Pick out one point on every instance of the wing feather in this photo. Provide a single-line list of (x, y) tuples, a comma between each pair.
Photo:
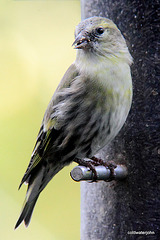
[(49, 130)]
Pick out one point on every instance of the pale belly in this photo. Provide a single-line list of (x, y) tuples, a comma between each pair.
[(111, 124)]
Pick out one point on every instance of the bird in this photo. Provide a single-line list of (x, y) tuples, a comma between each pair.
[(87, 110)]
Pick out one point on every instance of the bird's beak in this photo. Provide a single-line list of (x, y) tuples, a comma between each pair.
[(81, 41)]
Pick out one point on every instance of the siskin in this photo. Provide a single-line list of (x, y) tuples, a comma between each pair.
[(87, 110)]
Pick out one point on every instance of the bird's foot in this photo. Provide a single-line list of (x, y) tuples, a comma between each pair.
[(90, 164), (94, 161), (111, 165)]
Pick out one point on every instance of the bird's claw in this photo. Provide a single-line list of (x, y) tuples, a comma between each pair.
[(94, 161), (90, 164), (111, 165)]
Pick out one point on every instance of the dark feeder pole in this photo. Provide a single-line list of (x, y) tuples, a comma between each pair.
[(129, 208)]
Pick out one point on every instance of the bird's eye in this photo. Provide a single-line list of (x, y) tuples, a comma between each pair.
[(100, 30)]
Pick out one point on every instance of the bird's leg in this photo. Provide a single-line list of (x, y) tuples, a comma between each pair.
[(90, 164), (111, 165)]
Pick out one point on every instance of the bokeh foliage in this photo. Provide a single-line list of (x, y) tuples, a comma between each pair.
[(35, 51)]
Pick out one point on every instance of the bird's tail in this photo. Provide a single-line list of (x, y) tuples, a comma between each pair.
[(33, 191), (26, 212)]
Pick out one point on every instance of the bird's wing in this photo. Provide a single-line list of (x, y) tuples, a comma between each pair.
[(49, 130)]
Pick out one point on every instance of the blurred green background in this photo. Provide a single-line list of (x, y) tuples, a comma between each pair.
[(35, 51)]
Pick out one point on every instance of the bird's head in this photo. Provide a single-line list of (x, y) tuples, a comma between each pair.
[(100, 36)]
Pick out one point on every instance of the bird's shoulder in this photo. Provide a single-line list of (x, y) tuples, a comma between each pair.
[(59, 95)]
